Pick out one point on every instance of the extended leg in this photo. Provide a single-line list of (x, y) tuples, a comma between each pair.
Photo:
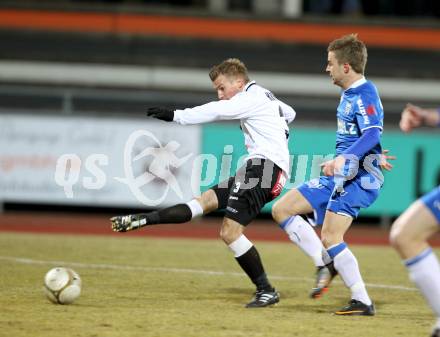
[(286, 213), (179, 213)]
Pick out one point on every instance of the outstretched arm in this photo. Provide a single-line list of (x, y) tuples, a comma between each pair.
[(164, 114), (414, 116), (239, 106), (235, 108)]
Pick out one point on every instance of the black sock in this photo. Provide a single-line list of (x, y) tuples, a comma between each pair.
[(175, 214), (250, 262), (331, 268)]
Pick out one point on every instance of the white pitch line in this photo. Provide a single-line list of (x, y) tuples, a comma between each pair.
[(24, 260)]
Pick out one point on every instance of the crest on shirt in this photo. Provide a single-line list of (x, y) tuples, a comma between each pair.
[(371, 110), (347, 109), (314, 183)]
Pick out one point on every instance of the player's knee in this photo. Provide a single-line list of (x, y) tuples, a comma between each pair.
[(397, 236), (281, 211), (277, 211), (394, 238), (330, 238), (227, 235), (230, 232), (208, 201), (325, 241)]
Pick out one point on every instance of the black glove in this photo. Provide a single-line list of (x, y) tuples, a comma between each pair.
[(164, 114)]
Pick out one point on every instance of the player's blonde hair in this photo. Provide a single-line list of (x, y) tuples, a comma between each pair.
[(231, 67), (349, 49)]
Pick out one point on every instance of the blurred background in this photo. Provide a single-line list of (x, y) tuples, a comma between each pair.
[(76, 78)]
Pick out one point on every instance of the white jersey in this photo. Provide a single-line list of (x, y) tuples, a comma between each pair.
[(263, 119)]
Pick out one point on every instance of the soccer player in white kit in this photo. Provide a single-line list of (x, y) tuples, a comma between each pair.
[(263, 120)]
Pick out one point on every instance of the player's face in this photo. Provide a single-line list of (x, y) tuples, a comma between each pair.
[(227, 87), (335, 70)]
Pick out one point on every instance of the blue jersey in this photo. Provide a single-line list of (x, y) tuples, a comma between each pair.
[(360, 108)]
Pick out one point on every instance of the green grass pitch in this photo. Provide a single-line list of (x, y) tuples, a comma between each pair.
[(144, 286)]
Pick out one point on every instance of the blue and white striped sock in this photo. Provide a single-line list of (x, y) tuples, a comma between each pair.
[(302, 234), (347, 266), (424, 271)]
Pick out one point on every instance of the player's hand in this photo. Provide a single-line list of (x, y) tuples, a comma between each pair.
[(164, 114), (334, 166), (384, 163), (125, 223), (412, 117)]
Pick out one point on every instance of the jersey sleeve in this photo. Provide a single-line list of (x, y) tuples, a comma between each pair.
[(239, 106), (369, 112), (288, 112), (367, 141)]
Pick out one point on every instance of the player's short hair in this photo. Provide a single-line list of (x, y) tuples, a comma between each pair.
[(349, 49), (231, 67)]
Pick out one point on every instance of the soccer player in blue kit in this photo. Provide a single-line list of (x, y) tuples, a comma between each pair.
[(412, 229), (351, 180)]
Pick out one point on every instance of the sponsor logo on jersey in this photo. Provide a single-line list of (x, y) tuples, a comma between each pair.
[(346, 128), (276, 190), (363, 112), (270, 96), (314, 183), (232, 210)]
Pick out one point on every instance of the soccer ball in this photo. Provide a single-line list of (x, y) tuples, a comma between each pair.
[(62, 285)]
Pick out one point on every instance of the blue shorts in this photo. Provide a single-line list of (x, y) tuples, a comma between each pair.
[(322, 195), (432, 201)]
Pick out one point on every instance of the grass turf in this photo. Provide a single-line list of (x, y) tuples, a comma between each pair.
[(140, 286)]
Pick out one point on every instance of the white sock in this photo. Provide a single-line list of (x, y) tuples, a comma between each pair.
[(195, 207), (240, 246), (424, 271), (347, 266), (302, 234), (326, 257)]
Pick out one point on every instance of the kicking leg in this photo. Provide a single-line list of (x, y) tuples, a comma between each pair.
[(179, 213), (286, 213)]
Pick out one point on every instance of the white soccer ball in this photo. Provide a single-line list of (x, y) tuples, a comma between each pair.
[(62, 285)]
